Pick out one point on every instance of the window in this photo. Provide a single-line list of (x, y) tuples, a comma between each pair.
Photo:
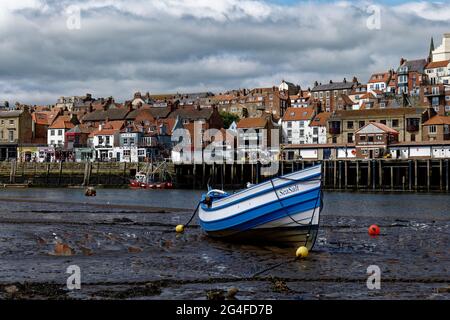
[(107, 140), (289, 124), (362, 124), (432, 129), (11, 136), (100, 139), (125, 141), (302, 124), (349, 137), (60, 133), (395, 123), (52, 132), (132, 141), (334, 139), (289, 133), (126, 153), (11, 122), (315, 131), (349, 124), (315, 140), (383, 122), (302, 133), (370, 138), (362, 138), (52, 142), (379, 138)]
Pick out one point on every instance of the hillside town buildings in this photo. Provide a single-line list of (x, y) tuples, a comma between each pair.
[(401, 112)]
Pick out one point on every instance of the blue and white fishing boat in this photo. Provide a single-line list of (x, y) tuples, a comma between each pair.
[(283, 211)]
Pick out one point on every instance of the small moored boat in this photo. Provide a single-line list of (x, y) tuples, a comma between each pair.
[(282, 211), (144, 181)]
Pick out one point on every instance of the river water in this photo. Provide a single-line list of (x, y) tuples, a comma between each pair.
[(124, 243)]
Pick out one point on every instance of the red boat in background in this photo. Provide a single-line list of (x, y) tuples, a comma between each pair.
[(142, 181)]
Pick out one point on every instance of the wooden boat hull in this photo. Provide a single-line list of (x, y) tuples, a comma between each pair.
[(295, 236), (285, 211)]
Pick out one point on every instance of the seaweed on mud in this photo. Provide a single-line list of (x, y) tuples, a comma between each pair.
[(149, 289), (27, 290)]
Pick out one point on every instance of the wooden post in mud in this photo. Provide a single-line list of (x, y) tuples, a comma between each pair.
[(441, 177), (325, 173), (369, 173), (357, 174), (340, 174), (194, 172), (380, 173), (392, 177), (374, 176), (416, 170), (60, 172), (334, 173), (409, 175), (428, 175), (203, 174), (48, 173), (446, 180), (12, 172), (346, 174), (282, 167)]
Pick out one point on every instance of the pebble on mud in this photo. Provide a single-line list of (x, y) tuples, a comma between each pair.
[(280, 286), (231, 294), (62, 249), (11, 290), (86, 251), (134, 250), (215, 295), (443, 290)]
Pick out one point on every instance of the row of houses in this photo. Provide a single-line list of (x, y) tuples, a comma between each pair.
[(403, 111)]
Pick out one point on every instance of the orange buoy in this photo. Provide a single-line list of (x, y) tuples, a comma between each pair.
[(374, 230)]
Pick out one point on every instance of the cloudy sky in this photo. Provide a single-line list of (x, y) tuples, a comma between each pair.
[(118, 47)]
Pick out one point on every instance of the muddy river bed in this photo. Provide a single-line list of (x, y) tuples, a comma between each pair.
[(124, 244)]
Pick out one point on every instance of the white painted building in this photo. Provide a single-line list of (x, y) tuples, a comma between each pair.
[(296, 126), (442, 52), (57, 130), (104, 141), (438, 72)]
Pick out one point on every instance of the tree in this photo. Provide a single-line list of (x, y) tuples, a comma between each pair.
[(228, 118)]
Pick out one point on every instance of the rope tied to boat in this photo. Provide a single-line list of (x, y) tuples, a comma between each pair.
[(181, 227)]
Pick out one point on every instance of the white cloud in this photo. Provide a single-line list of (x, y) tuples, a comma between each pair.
[(175, 45)]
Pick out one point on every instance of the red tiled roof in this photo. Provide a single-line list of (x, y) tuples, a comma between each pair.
[(247, 123), (380, 77), (298, 114), (381, 126), (321, 119), (62, 122), (438, 64), (437, 120)]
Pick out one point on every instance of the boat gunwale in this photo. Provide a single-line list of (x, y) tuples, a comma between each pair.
[(205, 208), (268, 182), (203, 222)]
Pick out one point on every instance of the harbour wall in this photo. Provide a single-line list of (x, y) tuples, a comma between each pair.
[(357, 175)]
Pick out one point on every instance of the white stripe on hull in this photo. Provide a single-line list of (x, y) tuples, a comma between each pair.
[(252, 203), (303, 218), (268, 186)]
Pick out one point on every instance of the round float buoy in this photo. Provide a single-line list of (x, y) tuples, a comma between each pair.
[(90, 192), (179, 228), (374, 230), (302, 252)]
